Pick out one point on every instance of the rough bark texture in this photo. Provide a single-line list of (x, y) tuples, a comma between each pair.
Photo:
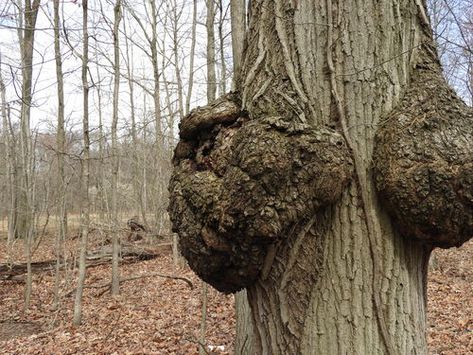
[(424, 162), (240, 186), (343, 280)]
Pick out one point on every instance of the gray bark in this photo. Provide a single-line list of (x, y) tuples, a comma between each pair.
[(221, 39), (322, 184), (12, 172), (85, 165), (356, 286), (192, 57), (26, 35), (211, 75), (25, 219), (115, 289), (238, 23), (61, 151)]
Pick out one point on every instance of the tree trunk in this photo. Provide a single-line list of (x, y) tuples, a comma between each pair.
[(11, 164), (85, 165), (159, 138), (191, 57), (25, 218), (203, 319), (134, 136), (221, 39), (238, 21), (346, 282), (211, 75), (60, 153), (115, 160)]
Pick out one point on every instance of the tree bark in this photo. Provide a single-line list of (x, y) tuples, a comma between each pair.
[(85, 165), (26, 36), (238, 23), (211, 75), (25, 219), (61, 151), (192, 57), (222, 12), (346, 282), (115, 160), (12, 172)]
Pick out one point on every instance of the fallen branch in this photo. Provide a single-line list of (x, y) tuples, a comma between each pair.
[(108, 285)]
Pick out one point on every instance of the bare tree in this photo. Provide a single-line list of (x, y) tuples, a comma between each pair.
[(12, 173), (115, 164), (192, 57), (85, 164), (25, 220), (238, 23), (60, 151), (222, 18), (211, 74)]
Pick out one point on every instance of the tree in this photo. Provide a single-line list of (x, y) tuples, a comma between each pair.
[(85, 168), (11, 161), (116, 87), (192, 56), (238, 21), (61, 150), (25, 220), (322, 185), (211, 75)]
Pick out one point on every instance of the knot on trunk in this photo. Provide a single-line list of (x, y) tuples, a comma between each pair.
[(239, 185), (423, 163)]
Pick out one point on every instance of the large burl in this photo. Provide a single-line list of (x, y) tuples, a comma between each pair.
[(240, 185), (423, 162)]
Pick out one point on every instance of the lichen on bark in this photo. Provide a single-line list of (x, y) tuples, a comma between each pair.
[(423, 162), (241, 184)]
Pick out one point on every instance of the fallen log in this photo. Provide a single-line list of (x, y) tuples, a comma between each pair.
[(94, 258)]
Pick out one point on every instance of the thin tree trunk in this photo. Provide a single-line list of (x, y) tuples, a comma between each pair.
[(25, 221), (175, 49), (211, 75), (238, 21), (221, 39), (104, 206), (144, 165), (203, 318), (11, 165), (60, 153), (192, 57), (115, 234), (159, 137), (134, 163), (85, 203)]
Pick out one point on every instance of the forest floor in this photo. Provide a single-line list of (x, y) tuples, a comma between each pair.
[(163, 316)]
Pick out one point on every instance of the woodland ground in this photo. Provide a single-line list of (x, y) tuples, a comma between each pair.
[(162, 316)]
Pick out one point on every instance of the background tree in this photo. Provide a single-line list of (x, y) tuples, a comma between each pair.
[(61, 150), (115, 165), (85, 166)]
